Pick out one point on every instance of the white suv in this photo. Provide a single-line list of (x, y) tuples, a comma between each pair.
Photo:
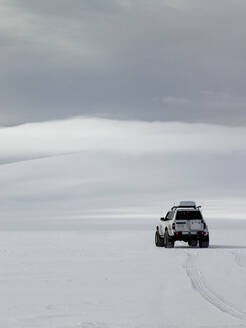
[(184, 222)]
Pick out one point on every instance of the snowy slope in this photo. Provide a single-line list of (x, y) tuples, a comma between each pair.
[(108, 273), (92, 167), (89, 184)]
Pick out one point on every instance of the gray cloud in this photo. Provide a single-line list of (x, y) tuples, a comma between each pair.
[(123, 59)]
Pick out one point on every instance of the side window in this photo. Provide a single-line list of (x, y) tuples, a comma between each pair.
[(166, 217), (170, 216)]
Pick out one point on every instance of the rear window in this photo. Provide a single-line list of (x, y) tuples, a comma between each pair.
[(188, 215)]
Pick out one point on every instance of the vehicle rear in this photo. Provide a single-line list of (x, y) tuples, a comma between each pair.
[(189, 226)]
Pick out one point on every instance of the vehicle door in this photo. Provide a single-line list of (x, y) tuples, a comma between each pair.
[(163, 223), (196, 221), (169, 222), (182, 222)]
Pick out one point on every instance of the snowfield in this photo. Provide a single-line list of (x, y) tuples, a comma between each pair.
[(109, 274)]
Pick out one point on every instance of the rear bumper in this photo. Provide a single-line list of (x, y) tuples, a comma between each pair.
[(180, 235)]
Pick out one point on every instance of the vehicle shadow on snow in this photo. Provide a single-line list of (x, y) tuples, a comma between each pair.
[(216, 247), (228, 246)]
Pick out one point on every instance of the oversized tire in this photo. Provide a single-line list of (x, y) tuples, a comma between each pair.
[(168, 241), (204, 243), (192, 243), (159, 242)]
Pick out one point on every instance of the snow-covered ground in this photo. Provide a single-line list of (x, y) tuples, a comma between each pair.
[(108, 273)]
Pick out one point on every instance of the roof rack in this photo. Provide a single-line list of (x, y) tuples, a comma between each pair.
[(186, 204), (195, 207)]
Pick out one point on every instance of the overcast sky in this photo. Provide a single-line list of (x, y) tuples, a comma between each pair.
[(123, 59)]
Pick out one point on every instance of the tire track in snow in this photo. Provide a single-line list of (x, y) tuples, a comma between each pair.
[(200, 285), (240, 259)]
